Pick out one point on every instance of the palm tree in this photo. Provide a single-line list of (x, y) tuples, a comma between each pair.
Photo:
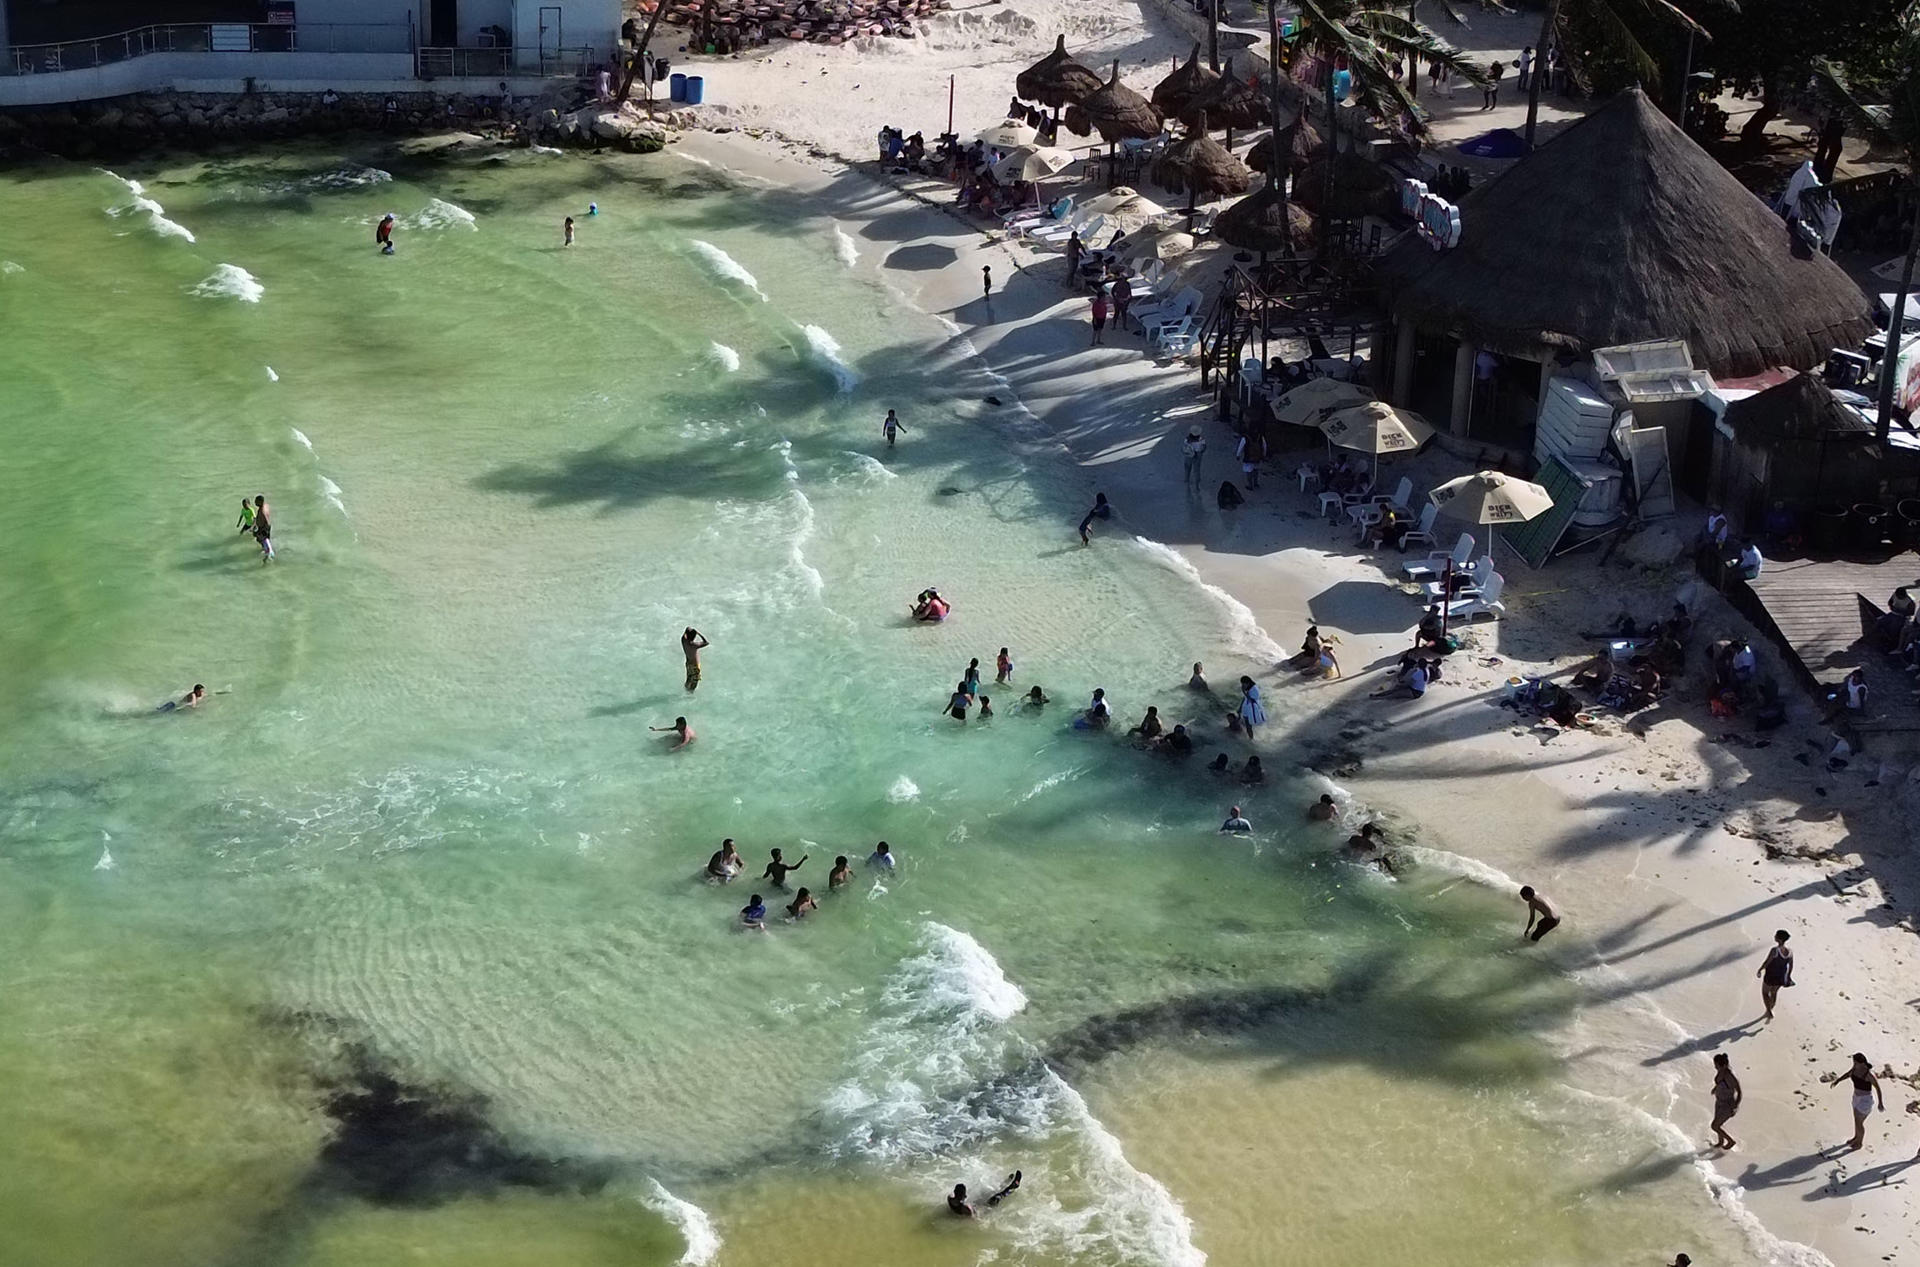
[(1895, 125), (1621, 24), (1368, 40)]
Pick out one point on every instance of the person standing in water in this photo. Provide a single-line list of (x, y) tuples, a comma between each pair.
[(801, 904), (691, 644), (1537, 909), (777, 869), (754, 913), (1323, 810), (841, 874), (726, 862), (1002, 668), (891, 427), (679, 728), (246, 517), (1775, 971), (383, 236), (568, 228), (1726, 1101), (1866, 1090), (882, 857), (263, 528), (1236, 824), (1251, 712)]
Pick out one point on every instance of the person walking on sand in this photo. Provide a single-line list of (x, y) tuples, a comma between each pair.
[(1866, 1091), (1122, 294), (568, 232), (691, 643), (1726, 1101), (891, 426), (1192, 449), (1102, 509), (1075, 250), (986, 282), (1490, 91), (1537, 909), (1775, 971), (1099, 314), (1251, 449)]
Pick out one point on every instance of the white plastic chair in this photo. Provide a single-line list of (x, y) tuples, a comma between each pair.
[(1434, 564), (1178, 340), (1308, 472), (1252, 374), (1330, 504), (1181, 304), (1400, 497), (1057, 232), (1485, 603), (1185, 309), (1423, 531), (1477, 572)]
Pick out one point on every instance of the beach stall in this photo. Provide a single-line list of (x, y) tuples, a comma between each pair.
[(1619, 231)]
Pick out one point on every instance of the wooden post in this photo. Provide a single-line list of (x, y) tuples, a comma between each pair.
[(1462, 389)]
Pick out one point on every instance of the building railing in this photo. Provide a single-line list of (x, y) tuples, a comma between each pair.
[(209, 37), (497, 63)]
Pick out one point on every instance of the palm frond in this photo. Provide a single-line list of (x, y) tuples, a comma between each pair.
[(1621, 38)]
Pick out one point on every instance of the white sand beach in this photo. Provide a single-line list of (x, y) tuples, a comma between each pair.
[(1672, 851)]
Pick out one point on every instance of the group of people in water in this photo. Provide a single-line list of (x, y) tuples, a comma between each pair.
[(726, 865)]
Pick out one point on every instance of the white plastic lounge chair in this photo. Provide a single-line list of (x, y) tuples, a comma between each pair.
[(1423, 532), (1485, 603), (1058, 234), (1434, 564), (1178, 340), (1362, 494), (1399, 497), (1476, 574), (1185, 304)]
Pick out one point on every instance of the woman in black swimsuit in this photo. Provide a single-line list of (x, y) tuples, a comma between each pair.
[(1776, 970), (1726, 1100)]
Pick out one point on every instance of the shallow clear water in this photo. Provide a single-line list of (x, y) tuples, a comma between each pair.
[(422, 832)]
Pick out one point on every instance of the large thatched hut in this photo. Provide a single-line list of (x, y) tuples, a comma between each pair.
[(1620, 230)]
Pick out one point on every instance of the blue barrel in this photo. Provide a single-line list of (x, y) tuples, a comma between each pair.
[(696, 89), (677, 87)]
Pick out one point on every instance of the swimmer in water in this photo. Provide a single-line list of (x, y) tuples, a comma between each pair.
[(881, 857), (891, 426), (569, 232), (1364, 848), (1323, 810), (957, 706), (801, 904), (1178, 742), (1537, 909), (679, 728), (929, 606), (986, 709), (841, 874), (754, 913), (1198, 682), (972, 677), (959, 1207), (1236, 824), (1002, 668), (1253, 772), (726, 862), (1097, 713), (593, 208), (192, 699), (1220, 764), (383, 236), (1149, 728), (777, 869), (1035, 698), (692, 642)]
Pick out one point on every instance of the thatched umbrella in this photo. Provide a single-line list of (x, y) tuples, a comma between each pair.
[(1231, 102), (1362, 188), (1119, 114), (1301, 142), (1057, 80), (1198, 164), (1174, 95), (1264, 221)]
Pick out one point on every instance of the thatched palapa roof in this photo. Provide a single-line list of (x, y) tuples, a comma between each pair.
[(1360, 187), (1057, 80), (1172, 95), (1255, 223), (1232, 102), (1301, 142), (1199, 164), (1117, 112), (1619, 230), (1800, 409)]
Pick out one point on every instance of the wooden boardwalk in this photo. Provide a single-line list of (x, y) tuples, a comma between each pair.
[(1819, 613)]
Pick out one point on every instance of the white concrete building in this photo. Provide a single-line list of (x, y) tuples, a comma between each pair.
[(295, 46)]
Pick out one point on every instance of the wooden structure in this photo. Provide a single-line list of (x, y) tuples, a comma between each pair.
[(1821, 614)]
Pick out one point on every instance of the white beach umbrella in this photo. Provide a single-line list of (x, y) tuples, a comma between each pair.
[(1008, 134), (1376, 427), (1490, 497), (1031, 163), (1305, 403)]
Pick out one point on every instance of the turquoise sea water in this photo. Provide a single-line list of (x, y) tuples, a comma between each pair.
[(396, 951)]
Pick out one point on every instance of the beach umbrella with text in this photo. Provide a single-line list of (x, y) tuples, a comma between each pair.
[(1492, 498), (1032, 162), (1304, 405), (1009, 134), (1377, 428), (1173, 95)]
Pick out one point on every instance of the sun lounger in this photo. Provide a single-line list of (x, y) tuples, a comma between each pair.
[(1177, 339), (1188, 300), (1423, 532), (1058, 233), (1434, 564), (1485, 603), (1475, 576), (1399, 498)]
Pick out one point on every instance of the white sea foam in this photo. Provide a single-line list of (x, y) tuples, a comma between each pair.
[(545, 149), (870, 467), (1244, 633), (301, 436), (694, 1224), (724, 268), (8, 268), (230, 281), (1457, 864), (796, 546), (823, 350), (106, 862), (439, 214), (331, 491), (274, 378), (1049, 783), (843, 246), (156, 214), (723, 356), (903, 790), (352, 177)]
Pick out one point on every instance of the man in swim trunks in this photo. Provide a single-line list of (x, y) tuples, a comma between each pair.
[(691, 644), (1102, 510), (754, 913), (263, 528), (383, 236), (192, 699), (1149, 728), (957, 1202), (725, 863), (1178, 741), (777, 869), (1236, 824), (841, 874), (1323, 810), (881, 857), (679, 728), (1537, 909)]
